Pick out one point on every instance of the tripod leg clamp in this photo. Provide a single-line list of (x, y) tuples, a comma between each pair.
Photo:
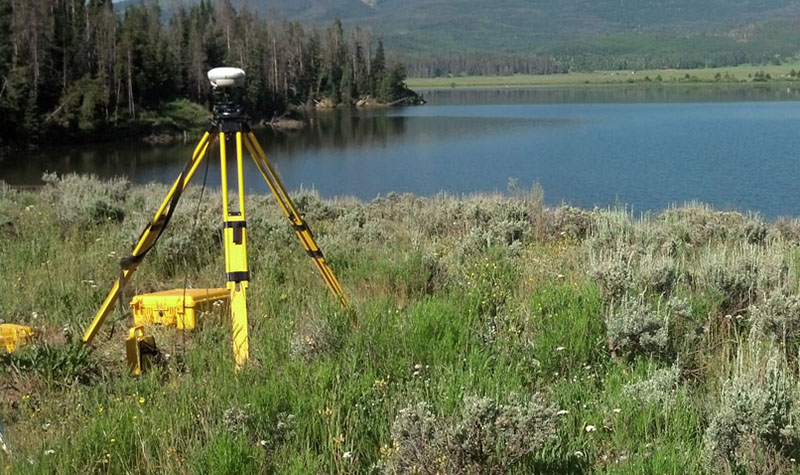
[(139, 348)]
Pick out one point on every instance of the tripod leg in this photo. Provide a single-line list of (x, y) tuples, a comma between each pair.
[(299, 225), (149, 236), (235, 239)]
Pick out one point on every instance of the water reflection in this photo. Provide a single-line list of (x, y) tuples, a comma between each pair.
[(723, 92), (325, 131), (731, 146), (336, 129), (143, 163)]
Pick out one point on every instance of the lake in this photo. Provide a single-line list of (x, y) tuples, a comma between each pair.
[(735, 147)]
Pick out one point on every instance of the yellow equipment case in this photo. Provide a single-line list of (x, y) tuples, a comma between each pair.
[(175, 307), (12, 336)]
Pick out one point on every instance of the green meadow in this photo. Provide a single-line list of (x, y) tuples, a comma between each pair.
[(735, 74), (487, 334)]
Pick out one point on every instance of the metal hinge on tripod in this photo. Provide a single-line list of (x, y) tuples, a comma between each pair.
[(238, 229)]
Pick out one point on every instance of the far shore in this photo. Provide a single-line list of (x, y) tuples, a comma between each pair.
[(746, 74)]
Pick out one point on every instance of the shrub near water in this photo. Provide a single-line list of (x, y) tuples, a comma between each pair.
[(778, 316), (85, 200), (755, 425), (486, 324), (639, 327)]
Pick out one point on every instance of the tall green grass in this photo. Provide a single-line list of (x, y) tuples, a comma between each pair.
[(495, 335)]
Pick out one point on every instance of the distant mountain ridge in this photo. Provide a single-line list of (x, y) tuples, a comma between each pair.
[(518, 25)]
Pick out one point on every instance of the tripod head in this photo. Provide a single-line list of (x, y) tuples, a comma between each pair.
[(227, 89)]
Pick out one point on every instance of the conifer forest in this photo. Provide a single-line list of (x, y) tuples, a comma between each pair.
[(82, 70)]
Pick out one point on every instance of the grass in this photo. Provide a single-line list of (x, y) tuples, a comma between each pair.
[(456, 314), (733, 74)]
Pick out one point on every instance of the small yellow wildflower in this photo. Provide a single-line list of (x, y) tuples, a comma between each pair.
[(386, 451), (141, 400), (100, 410)]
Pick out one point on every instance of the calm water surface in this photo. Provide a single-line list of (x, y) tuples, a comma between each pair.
[(735, 148)]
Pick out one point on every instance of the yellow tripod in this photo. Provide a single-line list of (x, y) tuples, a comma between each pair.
[(230, 127)]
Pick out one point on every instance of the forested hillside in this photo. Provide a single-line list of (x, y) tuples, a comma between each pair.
[(72, 69), (422, 25), (565, 18), (440, 37)]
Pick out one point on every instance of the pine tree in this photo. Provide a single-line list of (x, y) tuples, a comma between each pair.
[(377, 70), (336, 57), (6, 109), (394, 86), (5, 41), (360, 74), (348, 86)]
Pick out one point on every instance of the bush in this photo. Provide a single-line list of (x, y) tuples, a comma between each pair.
[(492, 437), (487, 437), (636, 327), (754, 428), (311, 207), (7, 226), (567, 222), (658, 388), (5, 190), (740, 274), (493, 222), (779, 317), (418, 442), (611, 229), (612, 270), (786, 229), (186, 114), (193, 235), (699, 224), (237, 419), (657, 274), (83, 200)]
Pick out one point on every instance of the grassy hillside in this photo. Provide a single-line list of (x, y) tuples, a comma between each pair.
[(495, 335), (739, 75)]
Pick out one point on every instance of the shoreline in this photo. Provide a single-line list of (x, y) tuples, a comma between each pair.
[(643, 214), (737, 75), (600, 85)]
